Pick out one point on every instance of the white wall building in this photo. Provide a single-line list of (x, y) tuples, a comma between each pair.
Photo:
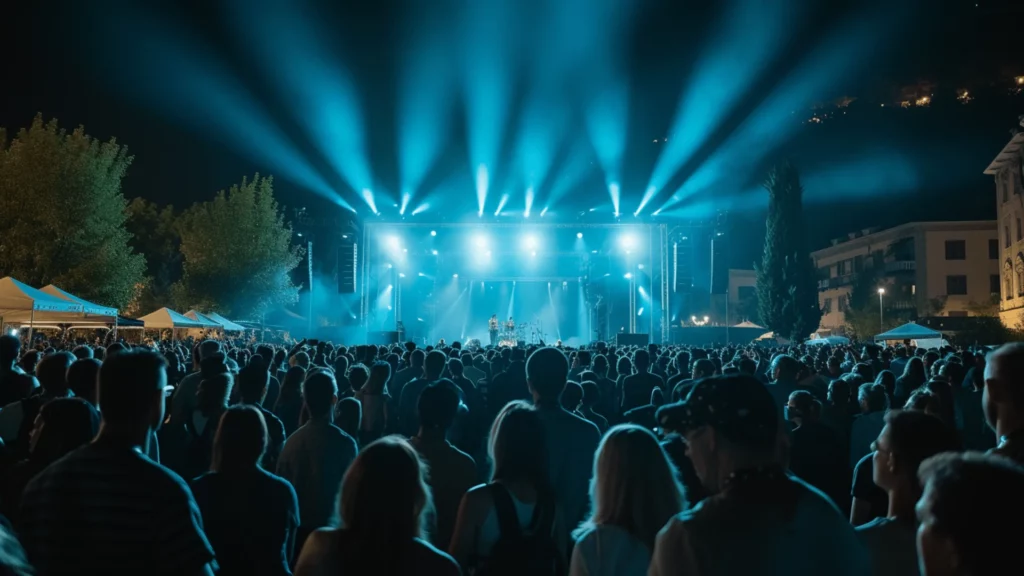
[(1008, 170), (935, 268)]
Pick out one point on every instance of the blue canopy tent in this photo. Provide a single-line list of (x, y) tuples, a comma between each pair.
[(909, 331)]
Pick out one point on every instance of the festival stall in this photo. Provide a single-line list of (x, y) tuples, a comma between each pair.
[(227, 325), (909, 331), (23, 305), (165, 318), (94, 315)]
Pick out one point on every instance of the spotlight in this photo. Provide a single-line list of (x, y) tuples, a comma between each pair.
[(530, 241), (434, 252), (627, 241), (393, 242), (433, 232), (390, 286), (628, 275), (481, 241), (14, 331), (401, 274), (456, 275), (422, 274), (579, 234), (389, 266)]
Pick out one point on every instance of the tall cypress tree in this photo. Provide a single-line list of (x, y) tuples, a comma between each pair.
[(787, 291)]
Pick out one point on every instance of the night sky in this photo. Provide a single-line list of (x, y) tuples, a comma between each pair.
[(67, 59)]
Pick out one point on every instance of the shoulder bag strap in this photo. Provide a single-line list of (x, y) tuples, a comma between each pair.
[(505, 508)]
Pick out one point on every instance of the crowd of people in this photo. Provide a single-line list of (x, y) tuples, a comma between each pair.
[(214, 457)]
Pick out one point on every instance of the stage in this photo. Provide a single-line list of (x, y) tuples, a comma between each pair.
[(558, 281)]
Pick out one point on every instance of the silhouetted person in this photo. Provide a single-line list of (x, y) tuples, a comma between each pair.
[(453, 472), (251, 516), (15, 384), (252, 384), (129, 514), (316, 456)]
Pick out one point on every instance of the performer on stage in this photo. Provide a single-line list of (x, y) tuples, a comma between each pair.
[(510, 325), (492, 329)]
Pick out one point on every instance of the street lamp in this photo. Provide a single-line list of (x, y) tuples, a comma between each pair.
[(881, 292)]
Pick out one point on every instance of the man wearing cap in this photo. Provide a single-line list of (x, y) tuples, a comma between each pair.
[(759, 519)]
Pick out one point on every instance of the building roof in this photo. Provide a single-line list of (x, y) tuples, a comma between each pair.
[(1009, 153), (899, 232)]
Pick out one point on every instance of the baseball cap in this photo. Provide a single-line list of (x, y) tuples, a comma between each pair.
[(738, 406)]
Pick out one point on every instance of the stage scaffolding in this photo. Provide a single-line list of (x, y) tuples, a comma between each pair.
[(657, 269)]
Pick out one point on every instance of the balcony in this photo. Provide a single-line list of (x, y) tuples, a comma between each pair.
[(835, 282), (900, 266)]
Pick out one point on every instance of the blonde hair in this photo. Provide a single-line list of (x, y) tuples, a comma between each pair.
[(634, 486), (384, 494)]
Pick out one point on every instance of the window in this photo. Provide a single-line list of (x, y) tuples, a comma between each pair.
[(827, 308), (993, 249), (913, 289), (1019, 234), (993, 283), (956, 285), (1006, 235), (746, 292), (956, 250), (957, 313), (843, 303)]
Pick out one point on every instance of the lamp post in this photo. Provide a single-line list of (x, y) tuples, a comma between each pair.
[(881, 311)]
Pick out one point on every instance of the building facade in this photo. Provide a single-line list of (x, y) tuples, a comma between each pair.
[(1008, 171), (738, 304), (929, 268)]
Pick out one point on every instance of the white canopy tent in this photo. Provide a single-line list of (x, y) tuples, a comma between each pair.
[(88, 308), (167, 318), (206, 321), (228, 325), (24, 305), (747, 324)]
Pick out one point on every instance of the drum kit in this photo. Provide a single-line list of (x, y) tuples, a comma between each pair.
[(529, 332)]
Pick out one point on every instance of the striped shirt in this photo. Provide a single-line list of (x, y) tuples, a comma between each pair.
[(109, 509)]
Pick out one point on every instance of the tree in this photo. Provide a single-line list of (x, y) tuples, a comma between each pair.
[(62, 214), (787, 292), (237, 253), (155, 235), (862, 316)]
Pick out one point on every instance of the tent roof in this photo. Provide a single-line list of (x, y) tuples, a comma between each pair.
[(747, 324), (206, 321), (89, 307), (909, 331), (23, 304), (227, 324), (167, 318)]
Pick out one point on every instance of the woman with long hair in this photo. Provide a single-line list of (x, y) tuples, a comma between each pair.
[(384, 506), (518, 451), (289, 402), (634, 491), (250, 515), (913, 377), (374, 398)]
